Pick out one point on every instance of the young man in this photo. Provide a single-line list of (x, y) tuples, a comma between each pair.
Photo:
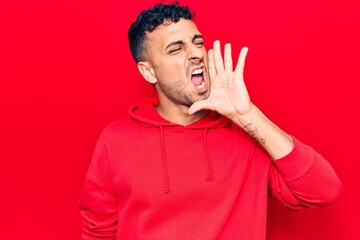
[(198, 161)]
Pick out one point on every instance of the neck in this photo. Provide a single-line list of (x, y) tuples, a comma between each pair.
[(179, 114)]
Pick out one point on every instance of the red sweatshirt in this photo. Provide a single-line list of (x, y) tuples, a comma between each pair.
[(155, 180)]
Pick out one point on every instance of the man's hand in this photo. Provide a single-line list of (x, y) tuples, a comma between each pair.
[(228, 95), (230, 98)]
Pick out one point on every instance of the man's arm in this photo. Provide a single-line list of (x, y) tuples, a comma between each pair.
[(98, 205), (304, 178), (299, 176), (230, 98), (274, 140), (98, 209)]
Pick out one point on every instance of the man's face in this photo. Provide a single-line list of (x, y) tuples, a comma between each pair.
[(178, 57)]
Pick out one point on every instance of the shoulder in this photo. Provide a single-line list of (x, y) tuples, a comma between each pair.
[(116, 129)]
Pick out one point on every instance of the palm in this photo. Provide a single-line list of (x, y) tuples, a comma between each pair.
[(228, 95)]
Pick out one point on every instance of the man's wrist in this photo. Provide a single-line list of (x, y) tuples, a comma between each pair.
[(275, 141), (249, 122)]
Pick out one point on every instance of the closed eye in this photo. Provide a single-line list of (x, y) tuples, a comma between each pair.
[(173, 51), (199, 44)]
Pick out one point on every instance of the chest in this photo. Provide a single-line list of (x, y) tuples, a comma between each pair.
[(143, 164)]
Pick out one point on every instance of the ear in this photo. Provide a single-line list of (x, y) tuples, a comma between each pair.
[(147, 71)]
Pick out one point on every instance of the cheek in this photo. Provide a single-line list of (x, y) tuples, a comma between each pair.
[(172, 69)]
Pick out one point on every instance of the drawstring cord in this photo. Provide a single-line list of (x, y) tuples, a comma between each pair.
[(166, 173), (210, 176)]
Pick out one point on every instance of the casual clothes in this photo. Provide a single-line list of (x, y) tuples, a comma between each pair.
[(153, 179)]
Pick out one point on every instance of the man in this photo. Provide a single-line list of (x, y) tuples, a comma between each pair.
[(198, 161)]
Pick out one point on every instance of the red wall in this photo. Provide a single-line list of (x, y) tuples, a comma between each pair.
[(66, 72)]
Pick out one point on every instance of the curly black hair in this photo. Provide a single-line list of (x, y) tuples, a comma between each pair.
[(149, 19)]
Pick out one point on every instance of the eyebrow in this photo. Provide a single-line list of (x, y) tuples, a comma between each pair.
[(196, 36)]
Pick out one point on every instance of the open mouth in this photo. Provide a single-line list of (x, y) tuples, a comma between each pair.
[(197, 78)]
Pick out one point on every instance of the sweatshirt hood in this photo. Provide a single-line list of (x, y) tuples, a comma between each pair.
[(145, 114)]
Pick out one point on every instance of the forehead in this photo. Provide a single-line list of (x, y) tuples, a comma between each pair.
[(169, 31)]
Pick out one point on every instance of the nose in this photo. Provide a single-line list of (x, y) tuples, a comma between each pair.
[(195, 54)]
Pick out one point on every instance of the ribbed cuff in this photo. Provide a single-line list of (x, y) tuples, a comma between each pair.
[(297, 163)]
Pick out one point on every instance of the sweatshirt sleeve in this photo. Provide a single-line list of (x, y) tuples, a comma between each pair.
[(98, 205), (303, 178)]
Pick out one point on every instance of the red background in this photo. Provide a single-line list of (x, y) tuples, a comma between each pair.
[(66, 72)]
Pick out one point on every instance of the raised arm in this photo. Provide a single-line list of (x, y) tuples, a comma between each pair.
[(299, 176), (230, 98)]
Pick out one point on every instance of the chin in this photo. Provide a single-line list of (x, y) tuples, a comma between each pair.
[(204, 95)]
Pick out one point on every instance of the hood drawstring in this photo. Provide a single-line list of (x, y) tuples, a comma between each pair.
[(145, 114), (166, 172), (210, 176)]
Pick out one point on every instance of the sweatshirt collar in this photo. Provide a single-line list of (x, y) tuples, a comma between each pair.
[(146, 113)]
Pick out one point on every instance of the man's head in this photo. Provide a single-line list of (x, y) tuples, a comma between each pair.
[(169, 52), (149, 20)]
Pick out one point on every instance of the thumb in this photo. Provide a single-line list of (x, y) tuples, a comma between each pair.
[(197, 106)]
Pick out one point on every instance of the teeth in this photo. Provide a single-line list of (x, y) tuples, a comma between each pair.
[(201, 85), (197, 71)]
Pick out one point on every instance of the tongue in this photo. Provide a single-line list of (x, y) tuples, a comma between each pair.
[(196, 80)]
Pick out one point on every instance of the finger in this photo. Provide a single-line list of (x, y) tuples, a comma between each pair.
[(212, 70), (241, 61), (227, 58), (197, 106), (218, 60)]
